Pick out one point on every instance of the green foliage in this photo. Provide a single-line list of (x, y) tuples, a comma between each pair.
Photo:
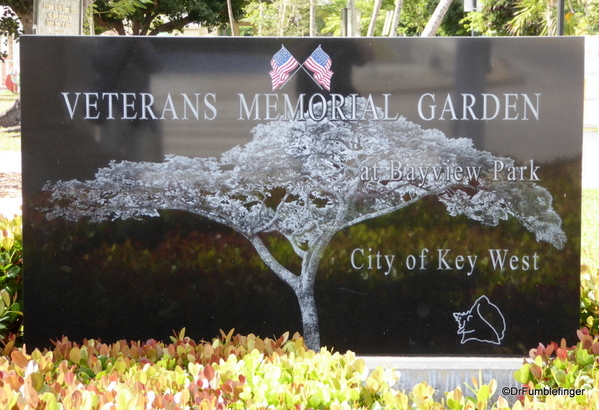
[(588, 14), (559, 366), (331, 12), (14, 11), (10, 140), (229, 372), (452, 22), (124, 8), (589, 303), (11, 266), (9, 25), (589, 279), (413, 17), (248, 372), (492, 20), (533, 18), (143, 17), (288, 18), (235, 372), (590, 229), (332, 19)]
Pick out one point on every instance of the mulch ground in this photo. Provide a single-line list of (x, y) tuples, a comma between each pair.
[(10, 185)]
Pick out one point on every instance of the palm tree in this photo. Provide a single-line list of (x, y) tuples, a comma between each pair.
[(375, 14), (540, 17), (234, 28), (436, 19), (396, 14)]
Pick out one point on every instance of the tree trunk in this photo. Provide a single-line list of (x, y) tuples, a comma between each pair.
[(115, 25), (311, 329), (373, 18), (261, 19), (305, 291), (312, 18), (282, 18), (136, 28), (171, 25), (396, 15), (302, 286), (436, 19), (26, 20), (90, 18), (231, 19)]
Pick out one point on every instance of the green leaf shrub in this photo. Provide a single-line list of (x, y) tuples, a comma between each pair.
[(230, 372), (560, 366), (11, 268), (237, 372), (589, 279), (589, 299)]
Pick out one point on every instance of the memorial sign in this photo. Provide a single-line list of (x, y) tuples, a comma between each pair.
[(388, 196), (58, 17)]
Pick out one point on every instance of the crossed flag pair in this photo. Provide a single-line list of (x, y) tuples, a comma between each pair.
[(283, 63)]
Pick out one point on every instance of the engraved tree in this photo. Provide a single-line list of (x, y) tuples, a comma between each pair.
[(307, 180)]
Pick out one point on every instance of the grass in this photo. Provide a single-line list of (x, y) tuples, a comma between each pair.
[(6, 100), (10, 140)]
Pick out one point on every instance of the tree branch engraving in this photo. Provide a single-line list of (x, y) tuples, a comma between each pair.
[(308, 180)]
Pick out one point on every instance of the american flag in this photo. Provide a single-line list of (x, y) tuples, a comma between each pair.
[(319, 62), (282, 64)]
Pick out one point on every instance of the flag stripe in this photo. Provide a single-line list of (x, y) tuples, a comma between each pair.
[(321, 74), (319, 63), (282, 63)]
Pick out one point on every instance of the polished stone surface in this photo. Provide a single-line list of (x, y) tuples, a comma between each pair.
[(416, 281)]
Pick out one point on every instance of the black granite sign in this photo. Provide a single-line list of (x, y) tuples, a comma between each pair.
[(389, 196)]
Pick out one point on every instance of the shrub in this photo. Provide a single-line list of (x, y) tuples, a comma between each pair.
[(11, 268), (230, 372), (567, 367), (589, 299), (589, 279)]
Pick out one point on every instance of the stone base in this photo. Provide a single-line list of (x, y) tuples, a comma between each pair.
[(447, 373)]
